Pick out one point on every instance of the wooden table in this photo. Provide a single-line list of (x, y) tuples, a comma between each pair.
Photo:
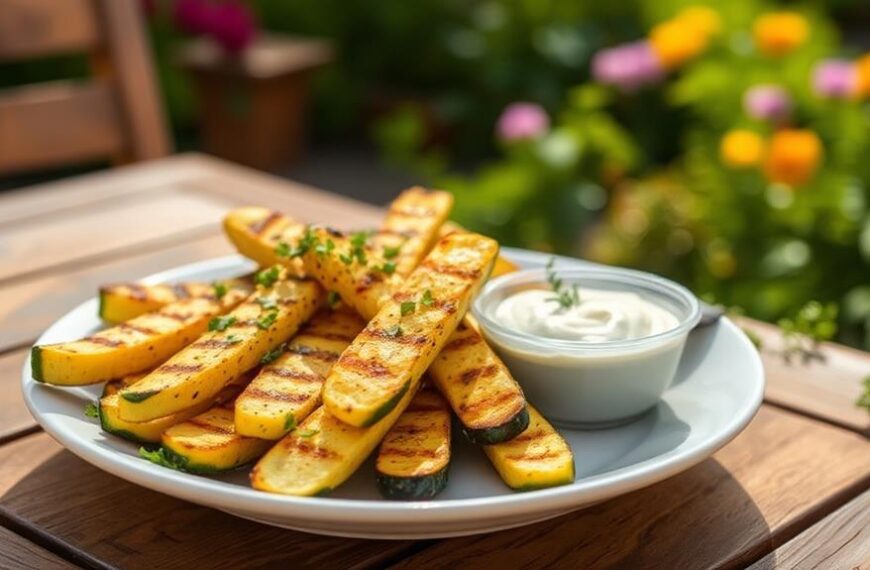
[(792, 490)]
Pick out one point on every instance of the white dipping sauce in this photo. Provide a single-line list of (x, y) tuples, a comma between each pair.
[(601, 316)]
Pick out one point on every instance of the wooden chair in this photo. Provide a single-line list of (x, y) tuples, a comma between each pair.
[(115, 115)]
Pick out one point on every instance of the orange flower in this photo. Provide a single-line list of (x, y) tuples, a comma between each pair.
[(778, 33), (676, 42), (862, 76), (793, 156), (701, 18), (741, 148)]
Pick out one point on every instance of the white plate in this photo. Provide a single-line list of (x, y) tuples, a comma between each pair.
[(717, 392)]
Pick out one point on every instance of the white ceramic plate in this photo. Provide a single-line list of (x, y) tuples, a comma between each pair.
[(717, 392)]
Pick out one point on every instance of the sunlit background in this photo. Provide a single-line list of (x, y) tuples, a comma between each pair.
[(726, 146)]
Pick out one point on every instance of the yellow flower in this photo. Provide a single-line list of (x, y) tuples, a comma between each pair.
[(741, 149), (862, 76), (702, 18), (793, 156), (778, 33)]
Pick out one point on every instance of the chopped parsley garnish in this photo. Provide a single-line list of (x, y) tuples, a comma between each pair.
[(426, 300), (273, 354), (306, 433), (267, 302), (394, 331), (347, 259), (357, 247), (92, 410), (221, 323), (282, 249), (333, 299), (290, 422), (304, 244), (220, 289), (268, 277), (267, 320), (160, 457), (407, 307), (324, 249), (566, 298), (233, 339), (389, 267), (391, 252)]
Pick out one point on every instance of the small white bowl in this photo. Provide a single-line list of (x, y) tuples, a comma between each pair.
[(582, 384)]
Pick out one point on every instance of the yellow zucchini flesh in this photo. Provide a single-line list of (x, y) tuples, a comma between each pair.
[(537, 458), (320, 454), (288, 389), (502, 264), (208, 443), (132, 346), (121, 302), (487, 400), (257, 232), (150, 431), (414, 457), (238, 342), (391, 354)]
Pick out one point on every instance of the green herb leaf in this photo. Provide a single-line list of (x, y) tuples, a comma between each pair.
[(324, 249), (273, 354), (268, 277), (346, 259), (267, 320), (389, 267), (306, 433), (233, 339), (92, 410), (426, 300), (221, 323), (566, 298), (290, 422), (160, 457), (333, 299), (267, 302), (282, 249), (358, 242), (391, 252), (220, 289), (394, 331), (407, 307)]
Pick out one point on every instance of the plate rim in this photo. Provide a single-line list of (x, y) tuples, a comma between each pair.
[(230, 496)]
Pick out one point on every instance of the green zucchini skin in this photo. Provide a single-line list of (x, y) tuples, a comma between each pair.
[(36, 364), (413, 488), (505, 432), (388, 406)]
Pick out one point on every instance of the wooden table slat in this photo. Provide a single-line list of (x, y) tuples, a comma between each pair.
[(17, 553), (840, 540), (15, 419)]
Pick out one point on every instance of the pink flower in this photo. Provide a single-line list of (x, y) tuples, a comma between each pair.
[(193, 16), (233, 26), (628, 66), (522, 121), (834, 78), (767, 103)]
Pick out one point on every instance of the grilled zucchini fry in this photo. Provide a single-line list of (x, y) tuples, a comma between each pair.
[(288, 389), (414, 456), (124, 301), (537, 458), (133, 346), (150, 431), (256, 233), (502, 265), (320, 454), (391, 354), (208, 443), (487, 400), (265, 320)]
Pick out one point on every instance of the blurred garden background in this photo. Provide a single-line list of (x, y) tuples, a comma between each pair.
[(725, 145)]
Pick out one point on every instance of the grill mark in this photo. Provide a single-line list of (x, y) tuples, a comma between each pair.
[(294, 374), (212, 343), (211, 427), (181, 291), (424, 408), (137, 328), (406, 429), (462, 342), (367, 281), (136, 291), (180, 317), (381, 334), (305, 448), (275, 396), (409, 452), (260, 226), (329, 335), (486, 403), (412, 211), (102, 341), (451, 270), (322, 355), (367, 367), (470, 376), (247, 324), (530, 435), (183, 368), (536, 457), (334, 232)]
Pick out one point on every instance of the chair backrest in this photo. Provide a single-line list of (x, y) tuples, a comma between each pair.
[(116, 114)]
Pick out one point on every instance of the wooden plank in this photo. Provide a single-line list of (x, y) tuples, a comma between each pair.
[(825, 388), (15, 419), (57, 124), (32, 28), (840, 540), (130, 527), (28, 307), (774, 480), (17, 553), (126, 61), (170, 215)]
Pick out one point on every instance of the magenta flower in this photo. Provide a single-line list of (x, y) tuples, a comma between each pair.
[(767, 103), (627, 67), (522, 121), (233, 26), (193, 16), (834, 78)]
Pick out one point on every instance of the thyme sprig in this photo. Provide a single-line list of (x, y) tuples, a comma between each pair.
[(565, 297)]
